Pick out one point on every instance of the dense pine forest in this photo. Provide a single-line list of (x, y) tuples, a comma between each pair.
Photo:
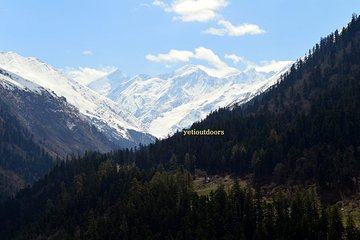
[(94, 198), (304, 130)]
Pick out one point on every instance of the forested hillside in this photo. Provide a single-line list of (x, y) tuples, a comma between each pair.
[(304, 129)]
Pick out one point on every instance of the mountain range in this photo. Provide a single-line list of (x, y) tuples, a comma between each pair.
[(62, 112), (125, 111), (297, 144), (170, 102)]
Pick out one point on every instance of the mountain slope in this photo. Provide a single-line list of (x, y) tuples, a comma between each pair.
[(305, 129), (55, 124), (118, 125), (171, 102), (22, 161)]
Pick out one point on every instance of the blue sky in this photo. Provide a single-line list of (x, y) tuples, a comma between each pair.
[(153, 36)]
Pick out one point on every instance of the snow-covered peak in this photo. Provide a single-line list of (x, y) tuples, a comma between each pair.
[(36, 71), (187, 70), (103, 112), (27, 67), (106, 84), (221, 72), (169, 102)]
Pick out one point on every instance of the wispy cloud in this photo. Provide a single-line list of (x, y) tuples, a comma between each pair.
[(161, 4), (263, 66), (172, 56), (87, 52), (200, 53), (227, 28), (205, 11), (234, 58), (193, 10), (272, 66), (86, 75), (240, 60), (209, 56), (216, 66)]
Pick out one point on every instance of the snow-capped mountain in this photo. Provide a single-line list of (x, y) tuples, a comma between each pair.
[(30, 74), (170, 102), (124, 108), (55, 125)]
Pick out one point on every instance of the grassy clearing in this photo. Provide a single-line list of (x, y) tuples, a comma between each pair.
[(204, 185), (353, 209)]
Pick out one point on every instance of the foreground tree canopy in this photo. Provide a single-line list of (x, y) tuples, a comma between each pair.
[(94, 198)]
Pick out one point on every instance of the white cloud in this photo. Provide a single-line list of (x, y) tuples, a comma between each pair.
[(227, 28), (272, 66), (239, 59), (160, 4), (86, 75), (87, 52), (172, 56), (236, 59), (215, 31), (204, 11), (209, 56), (263, 66), (193, 10), (216, 68)]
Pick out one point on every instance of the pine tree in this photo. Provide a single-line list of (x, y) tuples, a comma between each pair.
[(336, 227), (351, 231)]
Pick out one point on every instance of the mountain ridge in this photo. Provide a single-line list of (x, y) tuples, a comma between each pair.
[(158, 105), (107, 116), (167, 103)]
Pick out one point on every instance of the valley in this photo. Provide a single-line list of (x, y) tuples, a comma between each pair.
[(267, 151)]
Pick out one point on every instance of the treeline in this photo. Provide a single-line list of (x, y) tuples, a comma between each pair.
[(303, 129), (94, 198)]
